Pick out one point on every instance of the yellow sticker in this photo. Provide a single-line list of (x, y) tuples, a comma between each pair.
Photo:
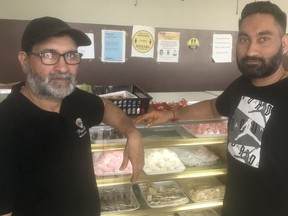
[(193, 43), (143, 41)]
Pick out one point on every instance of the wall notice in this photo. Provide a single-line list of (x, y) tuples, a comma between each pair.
[(168, 46), (143, 38), (222, 48)]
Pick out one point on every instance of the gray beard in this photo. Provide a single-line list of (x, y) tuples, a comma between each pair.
[(45, 88)]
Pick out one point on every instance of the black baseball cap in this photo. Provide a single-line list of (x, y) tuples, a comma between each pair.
[(45, 27)]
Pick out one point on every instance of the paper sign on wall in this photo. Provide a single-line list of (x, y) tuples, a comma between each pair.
[(222, 48), (168, 46), (143, 38), (88, 51), (113, 46)]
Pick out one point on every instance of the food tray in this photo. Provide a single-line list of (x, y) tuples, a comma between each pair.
[(108, 163), (203, 189), (162, 161), (118, 95), (100, 134), (164, 214), (209, 129), (162, 194), (196, 156), (131, 106), (199, 212), (117, 198)]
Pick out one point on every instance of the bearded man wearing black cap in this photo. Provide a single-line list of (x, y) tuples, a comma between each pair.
[(45, 155)]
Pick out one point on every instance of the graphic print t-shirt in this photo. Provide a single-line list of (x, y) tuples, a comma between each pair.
[(246, 130), (257, 173)]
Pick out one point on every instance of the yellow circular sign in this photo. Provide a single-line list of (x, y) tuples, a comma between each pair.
[(143, 41), (193, 43)]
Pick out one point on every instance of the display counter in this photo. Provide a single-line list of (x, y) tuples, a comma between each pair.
[(190, 97), (189, 154)]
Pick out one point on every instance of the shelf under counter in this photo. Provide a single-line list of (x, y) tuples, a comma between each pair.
[(110, 145), (189, 172), (145, 210), (171, 134)]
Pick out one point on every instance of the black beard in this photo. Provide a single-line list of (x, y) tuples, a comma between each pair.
[(264, 68)]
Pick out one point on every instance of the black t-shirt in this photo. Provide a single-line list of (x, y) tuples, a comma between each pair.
[(257, 178), (45, 157)]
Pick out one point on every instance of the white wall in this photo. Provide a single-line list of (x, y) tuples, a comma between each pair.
[(186, 14)]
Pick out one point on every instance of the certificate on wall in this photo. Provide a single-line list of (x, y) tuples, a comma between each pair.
[(113, 46)]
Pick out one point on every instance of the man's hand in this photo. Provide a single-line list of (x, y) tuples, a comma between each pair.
[(134, 152), (155, 117), (9, 214)]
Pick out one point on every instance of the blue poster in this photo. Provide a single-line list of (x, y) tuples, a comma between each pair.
[(113, 46)]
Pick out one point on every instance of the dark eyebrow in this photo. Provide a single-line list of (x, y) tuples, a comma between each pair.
[(52, 50), (263, 33), (242, 34)]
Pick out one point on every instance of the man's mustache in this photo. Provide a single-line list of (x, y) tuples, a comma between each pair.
[(252, 58)]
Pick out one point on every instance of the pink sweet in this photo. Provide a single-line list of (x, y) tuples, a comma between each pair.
[(109, 163)]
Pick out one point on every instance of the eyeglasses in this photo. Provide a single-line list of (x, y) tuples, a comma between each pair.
[(51, 57)]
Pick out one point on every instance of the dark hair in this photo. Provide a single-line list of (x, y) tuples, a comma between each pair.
[(265, 7)]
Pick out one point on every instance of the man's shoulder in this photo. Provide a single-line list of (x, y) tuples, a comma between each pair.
[(81, 95), (81, 98)]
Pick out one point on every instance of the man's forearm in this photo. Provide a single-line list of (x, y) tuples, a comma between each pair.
[(9, 214), (115, 117)]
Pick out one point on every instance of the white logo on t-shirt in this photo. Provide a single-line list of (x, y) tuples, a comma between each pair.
[(82, 129)]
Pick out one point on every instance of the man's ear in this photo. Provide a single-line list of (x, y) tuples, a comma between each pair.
[(22, 57), (285, 51), (285, 44)]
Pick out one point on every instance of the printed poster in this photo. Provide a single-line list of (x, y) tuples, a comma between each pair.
[(88, 51), (143, 39), (222, 48), (113, 46), (168, 46)]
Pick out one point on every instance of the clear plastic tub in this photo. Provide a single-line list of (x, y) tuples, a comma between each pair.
[(196, 156), (207, 129), (118, 198), (102, 134), (108, 163), (199, 212), (203, 189), (162, 161), (162, 194)]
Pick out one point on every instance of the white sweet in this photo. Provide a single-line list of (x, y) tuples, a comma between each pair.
[(162, 159)]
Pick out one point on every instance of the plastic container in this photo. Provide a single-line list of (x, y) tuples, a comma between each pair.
[(107, 163), (162, 161), (199, 212), (162, 194), (117, 198), (196, 156), (208, 129), (131, 106), (100, 134), (203, 189)]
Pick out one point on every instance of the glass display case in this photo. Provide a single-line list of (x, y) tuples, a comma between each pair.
[(185, 168)]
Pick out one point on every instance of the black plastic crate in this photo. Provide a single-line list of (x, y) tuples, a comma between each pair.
[(131, 106)]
